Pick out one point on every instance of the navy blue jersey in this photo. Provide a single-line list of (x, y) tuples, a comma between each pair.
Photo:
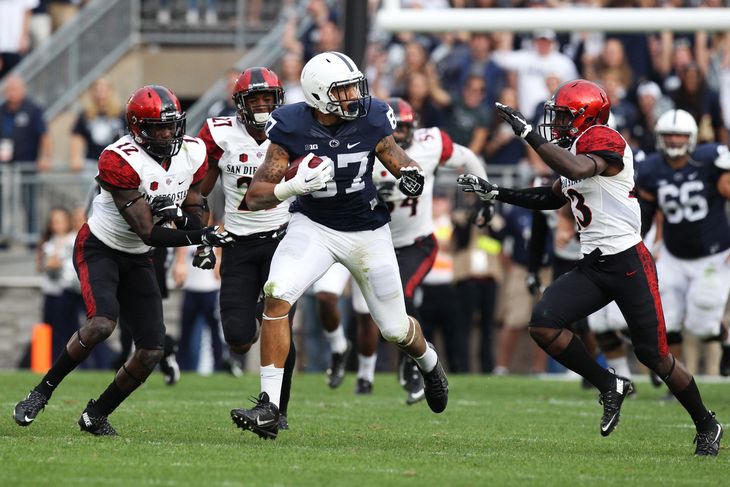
[(695, 222), (349, 202), (518, 225)]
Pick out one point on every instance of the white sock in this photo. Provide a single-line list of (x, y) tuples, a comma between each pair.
[(366, 367), (726, 341), (336, 339), (427, 361), (271, 379), (620, 365)]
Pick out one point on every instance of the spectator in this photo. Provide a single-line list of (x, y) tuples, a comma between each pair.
[(532, 66), (225, 107), (54, 263), (503, 147), (467, 117), (192, 15), (418, 94), (416, 61), (624, 113), (291, 71), (14, 32), (651, 104), (199, 304), (611, 60), (702, 102), (63, 11), (40, 24), (477, 60), (99, 124)]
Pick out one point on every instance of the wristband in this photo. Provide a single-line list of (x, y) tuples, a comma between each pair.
[(284, 191), (535, 140)]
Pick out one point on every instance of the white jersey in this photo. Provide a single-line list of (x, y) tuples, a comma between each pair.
[(412, 218), (239, 156), (605, 208), (125, 165)]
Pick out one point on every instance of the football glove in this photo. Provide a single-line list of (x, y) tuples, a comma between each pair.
[(484, 214), (470, 183), (164, 208), (307, 179), (411, 181), (204, 257), (385, 190), (211, 237), (515, 119)]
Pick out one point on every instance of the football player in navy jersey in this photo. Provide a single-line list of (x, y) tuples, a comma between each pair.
[(691, 187), (597, 177), (337, 217), (236, 146), (147, 178)]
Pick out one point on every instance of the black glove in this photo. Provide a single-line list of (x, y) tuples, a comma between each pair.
[(470, 183), (204, 257), (533, 284), (385, 190), (212, 238), (515, 119), (484, 214), (411, 181), (165, 208)]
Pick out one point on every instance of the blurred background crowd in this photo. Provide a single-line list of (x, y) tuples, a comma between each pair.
[(477, 302)]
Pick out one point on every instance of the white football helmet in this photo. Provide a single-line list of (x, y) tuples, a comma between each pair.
[(676, 122), (324, 80)]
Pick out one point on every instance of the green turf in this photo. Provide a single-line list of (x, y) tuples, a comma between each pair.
[(496, 431)]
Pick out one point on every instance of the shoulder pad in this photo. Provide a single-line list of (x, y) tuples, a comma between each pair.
[(723, 158)]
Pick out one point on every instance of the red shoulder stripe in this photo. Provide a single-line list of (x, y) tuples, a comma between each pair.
[(601, 138), (447, 147), (213, 150), (116, 172)]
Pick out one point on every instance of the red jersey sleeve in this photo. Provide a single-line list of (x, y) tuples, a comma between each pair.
[(601, 139), (116, 173), (447, 147), (213, 150), (200, 173)]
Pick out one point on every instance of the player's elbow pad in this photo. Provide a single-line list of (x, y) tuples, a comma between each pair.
[(542, 198)]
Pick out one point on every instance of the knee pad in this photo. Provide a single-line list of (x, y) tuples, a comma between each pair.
[(608, 341), (544, 336), (399, 333), (240, 332), (648, 356), (542, 317), (674, 338)]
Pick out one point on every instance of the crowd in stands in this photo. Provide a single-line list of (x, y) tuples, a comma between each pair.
[(452, 80)]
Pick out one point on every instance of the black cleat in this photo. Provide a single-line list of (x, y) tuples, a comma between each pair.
[(336, 370), (708, 442), (725, 361), (611, 401), (363, 386), (96, 425), (436, 388), (262, 419), (411, 380), (283, 421), (26, 410)]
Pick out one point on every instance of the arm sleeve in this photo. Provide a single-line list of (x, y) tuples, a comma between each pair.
[(648, 211), (170, 237), (536, 245), (542, 198), (116, 173)]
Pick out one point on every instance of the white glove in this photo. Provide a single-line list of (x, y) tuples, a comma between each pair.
[(307, 179)]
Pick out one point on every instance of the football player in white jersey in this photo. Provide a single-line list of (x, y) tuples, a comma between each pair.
[(236, 147), (146, 178), (411, 227), (597, 177)]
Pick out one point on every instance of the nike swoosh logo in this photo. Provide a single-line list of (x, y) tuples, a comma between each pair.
[(310, 179), (27, 419), (350, 146), (629, 274), (609, 424), (180, 182), (262, 423)]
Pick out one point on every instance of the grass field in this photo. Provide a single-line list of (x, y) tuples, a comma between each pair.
[(496, 431)]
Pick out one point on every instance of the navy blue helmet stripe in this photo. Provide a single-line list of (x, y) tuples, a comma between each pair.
[(347, 63)]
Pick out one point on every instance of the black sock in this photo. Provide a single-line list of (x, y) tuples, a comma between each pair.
[(110, 399), (690, 398), (63, 366), (286, 381), (576, 358)]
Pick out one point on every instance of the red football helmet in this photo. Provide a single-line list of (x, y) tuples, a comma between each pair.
[(406, 121), (575, 106), (156, 121), (253, 81)]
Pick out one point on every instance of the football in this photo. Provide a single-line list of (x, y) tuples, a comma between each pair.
[(294, 165)]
